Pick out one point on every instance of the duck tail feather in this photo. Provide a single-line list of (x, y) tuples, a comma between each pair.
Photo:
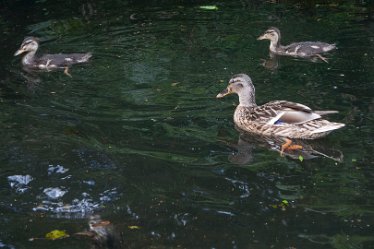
[(329, 127), (327, 112)]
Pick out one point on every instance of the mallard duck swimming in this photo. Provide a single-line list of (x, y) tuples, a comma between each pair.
[(278, 118), (48, 61), (298, 49)]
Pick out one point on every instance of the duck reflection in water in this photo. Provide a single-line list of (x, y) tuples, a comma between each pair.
[(272, 63), (306, 149)]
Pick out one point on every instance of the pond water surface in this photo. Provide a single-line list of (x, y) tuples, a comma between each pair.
[(138, 137)]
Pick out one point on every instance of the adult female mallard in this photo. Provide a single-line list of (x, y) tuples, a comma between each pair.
[(48, 61), (305, 49), (278, 118)]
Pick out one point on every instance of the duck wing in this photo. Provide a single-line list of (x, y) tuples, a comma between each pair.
[(308, 48), (286, 112), (63, 60), (285, 119)]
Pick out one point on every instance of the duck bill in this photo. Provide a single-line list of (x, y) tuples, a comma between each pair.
[(223, 93), (19, 51), (262, 37)]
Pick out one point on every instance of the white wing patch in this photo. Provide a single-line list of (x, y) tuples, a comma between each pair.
[(275, 119), (315, 47), (293, 117), (68, 59)]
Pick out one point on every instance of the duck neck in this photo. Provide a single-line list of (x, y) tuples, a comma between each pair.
[(247, 99), (29, 58), (274, 45)]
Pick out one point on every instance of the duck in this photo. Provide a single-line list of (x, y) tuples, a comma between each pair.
[(48, 62), (279, 118), (306, 49)]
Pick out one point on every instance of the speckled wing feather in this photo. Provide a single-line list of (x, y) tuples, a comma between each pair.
[(308, 48), (282, 104), (280, 112), (63, 60), (265, 120)]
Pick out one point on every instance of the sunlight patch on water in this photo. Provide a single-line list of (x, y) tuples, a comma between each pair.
[(78, 207), (20, 182)]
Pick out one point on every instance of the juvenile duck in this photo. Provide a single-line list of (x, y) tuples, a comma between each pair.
[(305, 49), (48, 61), (278, 118)]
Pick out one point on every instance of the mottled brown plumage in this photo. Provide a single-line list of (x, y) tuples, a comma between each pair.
[(277, 118)]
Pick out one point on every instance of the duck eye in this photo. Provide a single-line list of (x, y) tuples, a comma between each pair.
[(240, 85)]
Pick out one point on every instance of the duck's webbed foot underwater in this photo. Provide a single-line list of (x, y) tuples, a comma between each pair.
[(289, 146), (47, 65), (322, 58), (66, 71)]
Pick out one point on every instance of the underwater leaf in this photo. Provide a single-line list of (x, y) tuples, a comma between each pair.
[(56, 234), (208, 7), (301, 158), (134, 227)]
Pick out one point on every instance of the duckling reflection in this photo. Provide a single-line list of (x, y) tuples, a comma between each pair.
[(272, 62), (309, 149)]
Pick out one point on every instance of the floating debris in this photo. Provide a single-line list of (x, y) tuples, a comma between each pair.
[(103, 233), (208, 7), (56, 234), (134, 227)]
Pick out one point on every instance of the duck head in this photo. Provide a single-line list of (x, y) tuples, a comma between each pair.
[(272, 34), (29, 44), (242, 85)]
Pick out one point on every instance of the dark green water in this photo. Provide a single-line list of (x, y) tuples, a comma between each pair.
[(139, 137)]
